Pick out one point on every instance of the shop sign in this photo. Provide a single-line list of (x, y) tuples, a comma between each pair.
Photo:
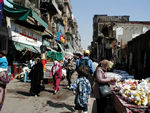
[(26, 32), (23, 35), (22, 39)]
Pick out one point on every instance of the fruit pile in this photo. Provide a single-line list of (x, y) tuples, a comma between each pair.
[(135, 91)]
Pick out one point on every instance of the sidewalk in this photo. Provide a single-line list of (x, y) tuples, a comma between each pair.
[(18, 100)]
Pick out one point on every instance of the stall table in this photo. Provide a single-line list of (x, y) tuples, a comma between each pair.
[(122, 106)]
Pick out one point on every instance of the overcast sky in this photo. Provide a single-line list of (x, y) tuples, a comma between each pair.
[(84, 10)]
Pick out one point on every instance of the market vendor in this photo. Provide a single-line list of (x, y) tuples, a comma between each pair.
[(101, 78)]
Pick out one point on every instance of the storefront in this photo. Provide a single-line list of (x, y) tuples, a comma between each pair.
[(24, 44)]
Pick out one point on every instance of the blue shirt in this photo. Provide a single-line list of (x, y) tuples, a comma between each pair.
[(3, 62), (90, 64), (83, 89)]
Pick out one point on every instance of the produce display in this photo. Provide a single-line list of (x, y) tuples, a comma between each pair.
[(135, 91)]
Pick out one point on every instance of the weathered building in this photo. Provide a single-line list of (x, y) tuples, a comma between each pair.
[(37, 23), (136, 55), (111, 33)]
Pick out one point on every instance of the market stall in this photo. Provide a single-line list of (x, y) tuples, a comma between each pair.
[(132, 96), (50, 57), (122, 106)]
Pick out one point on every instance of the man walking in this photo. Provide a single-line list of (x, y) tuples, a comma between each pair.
[(86, 61)]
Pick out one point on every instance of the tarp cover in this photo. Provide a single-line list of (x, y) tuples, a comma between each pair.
[(55, 55)]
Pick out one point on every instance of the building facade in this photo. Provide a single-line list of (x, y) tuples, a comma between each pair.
[(112, 33), (36, 23)]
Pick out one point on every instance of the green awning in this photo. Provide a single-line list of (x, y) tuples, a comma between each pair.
[(36, 17), (21, 13), (55, 55), (60, 47), (20, 46)]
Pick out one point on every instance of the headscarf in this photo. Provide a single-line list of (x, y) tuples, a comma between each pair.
[(104, 64), (56, 66)]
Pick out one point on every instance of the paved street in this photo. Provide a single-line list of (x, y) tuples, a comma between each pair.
[(18, 100)]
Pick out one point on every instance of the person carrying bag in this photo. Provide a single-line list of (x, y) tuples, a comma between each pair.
[(101, 88)]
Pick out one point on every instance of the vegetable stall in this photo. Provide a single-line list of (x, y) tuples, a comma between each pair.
[(132, 96)]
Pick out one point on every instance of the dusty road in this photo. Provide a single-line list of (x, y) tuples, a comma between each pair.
[(18, 100)]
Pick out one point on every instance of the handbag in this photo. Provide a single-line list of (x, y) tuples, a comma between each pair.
[(4, 77), (104, 90)]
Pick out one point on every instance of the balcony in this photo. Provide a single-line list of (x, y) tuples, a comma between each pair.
[(51, 6)]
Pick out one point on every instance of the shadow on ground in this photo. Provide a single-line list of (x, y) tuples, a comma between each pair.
[(23, 93), (49, 91), (61, 105)]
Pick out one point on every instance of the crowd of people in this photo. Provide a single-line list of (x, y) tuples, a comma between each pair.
[(90, 76)]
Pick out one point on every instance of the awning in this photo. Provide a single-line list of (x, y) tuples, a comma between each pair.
[(60, 47), (21, 13), (20, 46), (55, 55)]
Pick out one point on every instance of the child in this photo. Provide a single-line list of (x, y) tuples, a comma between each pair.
[(82, 89)]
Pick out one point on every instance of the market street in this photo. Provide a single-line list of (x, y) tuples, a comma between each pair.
[(19, 101), (106, 44)]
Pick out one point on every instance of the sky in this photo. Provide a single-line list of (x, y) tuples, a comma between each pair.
[(84, 11)]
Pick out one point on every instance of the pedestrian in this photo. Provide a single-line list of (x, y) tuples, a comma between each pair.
[(86, 61), (95, 64), (56, 72), (70, 67), (36, 76), (4, 78), (101, 78), (82, 89), (65, 62)]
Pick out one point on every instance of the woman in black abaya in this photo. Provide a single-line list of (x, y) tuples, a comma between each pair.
[(36, 76)]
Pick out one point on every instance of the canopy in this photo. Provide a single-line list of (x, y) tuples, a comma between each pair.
[(21, 13), (55, 55), (20, 46)]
